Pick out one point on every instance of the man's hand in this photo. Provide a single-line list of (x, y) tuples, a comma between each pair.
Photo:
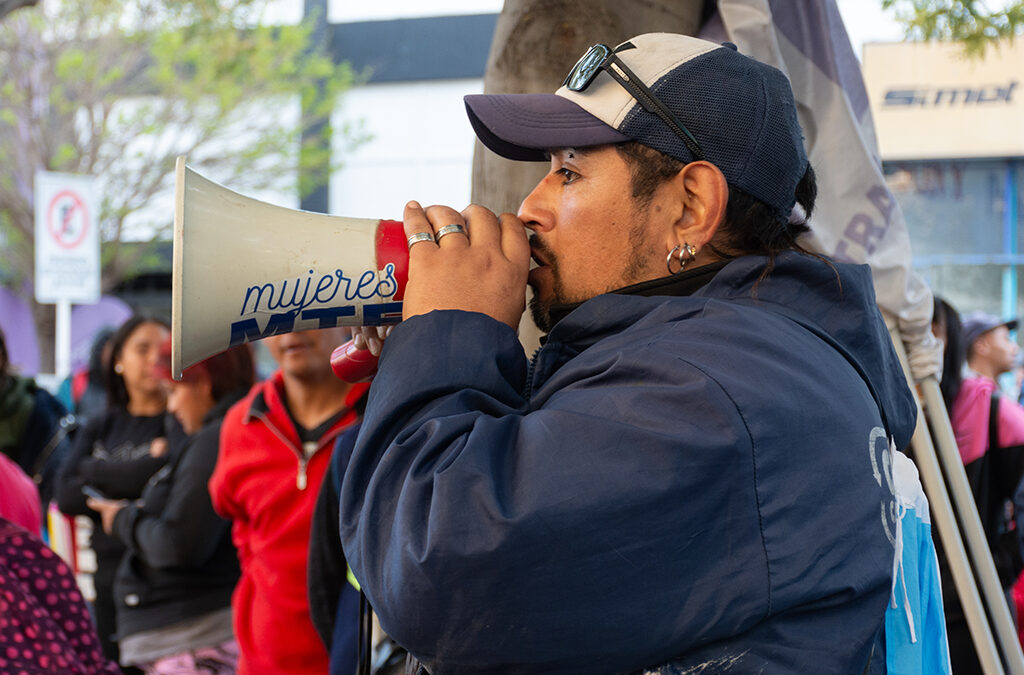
[(108, 509), (371, 337), (484, 270)]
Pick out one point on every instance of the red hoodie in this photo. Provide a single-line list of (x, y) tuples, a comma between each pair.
[(266, 487)]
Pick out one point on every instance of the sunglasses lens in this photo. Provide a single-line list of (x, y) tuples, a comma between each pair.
[(586, 68)]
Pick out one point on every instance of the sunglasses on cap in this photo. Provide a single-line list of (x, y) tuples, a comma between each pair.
[(602, 57)]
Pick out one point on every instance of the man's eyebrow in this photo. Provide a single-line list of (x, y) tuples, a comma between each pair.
[(575, 152)]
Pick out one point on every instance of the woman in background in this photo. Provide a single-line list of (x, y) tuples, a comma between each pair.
[(173, 589), (117, 453)]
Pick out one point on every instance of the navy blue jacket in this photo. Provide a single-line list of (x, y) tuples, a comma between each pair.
[(696, 480)]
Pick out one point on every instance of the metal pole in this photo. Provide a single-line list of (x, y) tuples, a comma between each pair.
[(963, 579), (1010, 240), (62, 356)]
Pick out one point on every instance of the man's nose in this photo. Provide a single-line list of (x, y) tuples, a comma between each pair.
[(534, 211)]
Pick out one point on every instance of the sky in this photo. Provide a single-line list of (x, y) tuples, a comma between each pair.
[(866, 22)]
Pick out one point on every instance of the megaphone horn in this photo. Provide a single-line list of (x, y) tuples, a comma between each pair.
[(244, 270)]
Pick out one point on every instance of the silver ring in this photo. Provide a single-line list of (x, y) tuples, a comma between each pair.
[(450, 229), (418, 237)]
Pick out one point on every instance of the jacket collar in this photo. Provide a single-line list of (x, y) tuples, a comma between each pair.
[(268, 404), (681, 284)]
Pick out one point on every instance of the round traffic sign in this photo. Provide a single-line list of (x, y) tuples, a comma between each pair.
[(67, 219)]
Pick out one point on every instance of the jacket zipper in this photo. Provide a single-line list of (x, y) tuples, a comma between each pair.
[(301, 478), (309, 448), (528, 390)]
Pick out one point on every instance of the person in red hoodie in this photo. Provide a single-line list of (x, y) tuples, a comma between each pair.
[(275, 447)]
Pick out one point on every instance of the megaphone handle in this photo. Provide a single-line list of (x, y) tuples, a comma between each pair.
[(353, 365)]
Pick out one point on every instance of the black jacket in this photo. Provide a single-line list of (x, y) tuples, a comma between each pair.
[(180, 562), (111, 454)]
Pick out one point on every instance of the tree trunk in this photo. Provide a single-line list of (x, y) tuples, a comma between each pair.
[(535, 44)]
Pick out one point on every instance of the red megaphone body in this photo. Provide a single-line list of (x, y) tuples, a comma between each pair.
[(358, 365)]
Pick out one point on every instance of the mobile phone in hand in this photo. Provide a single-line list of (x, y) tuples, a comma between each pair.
[(90, 491)]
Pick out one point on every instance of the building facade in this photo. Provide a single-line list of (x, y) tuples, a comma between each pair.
[(951, 137)]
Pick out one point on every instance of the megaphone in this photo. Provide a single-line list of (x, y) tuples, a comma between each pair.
[(244, 270)]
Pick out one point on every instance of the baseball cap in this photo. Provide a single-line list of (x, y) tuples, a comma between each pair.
[(977, 324), (740, 112)]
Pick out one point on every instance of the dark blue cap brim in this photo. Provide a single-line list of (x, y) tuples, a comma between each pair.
[(525, 126)]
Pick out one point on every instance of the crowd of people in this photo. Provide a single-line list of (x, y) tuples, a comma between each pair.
[(201, 495), (675, 483)]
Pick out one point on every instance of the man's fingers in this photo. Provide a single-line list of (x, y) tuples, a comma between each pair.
[(450, 228), (515, 244), (418, 230), (470, 270), (483, 226), (370, 338)]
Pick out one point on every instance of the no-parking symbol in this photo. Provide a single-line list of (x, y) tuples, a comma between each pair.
[(67, 239), (67, 219)]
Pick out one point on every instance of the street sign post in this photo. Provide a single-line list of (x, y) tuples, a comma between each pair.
[(67, 268)]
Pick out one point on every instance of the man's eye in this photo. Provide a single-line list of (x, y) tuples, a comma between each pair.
[(569, 175)]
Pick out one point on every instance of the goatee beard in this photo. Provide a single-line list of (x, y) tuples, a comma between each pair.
[(540, 311)]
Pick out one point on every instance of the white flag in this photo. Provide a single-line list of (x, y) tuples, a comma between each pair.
[(856, 218)]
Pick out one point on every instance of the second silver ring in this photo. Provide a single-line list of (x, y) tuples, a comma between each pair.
[(450, 229)]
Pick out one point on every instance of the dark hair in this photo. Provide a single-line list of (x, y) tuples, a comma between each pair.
[(117, 393), (750, 226), (954, 352), (96, 367), (228, 371)]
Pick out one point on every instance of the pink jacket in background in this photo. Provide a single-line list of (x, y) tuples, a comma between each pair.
[(19, 497), (970, 419)]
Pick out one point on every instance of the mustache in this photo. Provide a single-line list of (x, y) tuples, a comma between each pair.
[(540, 250)]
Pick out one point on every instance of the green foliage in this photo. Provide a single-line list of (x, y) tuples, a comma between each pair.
[(969, 22), (119, 88)]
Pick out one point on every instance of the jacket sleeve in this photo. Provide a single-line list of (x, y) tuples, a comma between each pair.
[(187, 531), (121, 479), (220, 485), (465, 504), (68, 486)]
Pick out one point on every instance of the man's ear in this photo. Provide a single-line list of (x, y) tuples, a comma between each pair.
[(981, 345), (704, 194)]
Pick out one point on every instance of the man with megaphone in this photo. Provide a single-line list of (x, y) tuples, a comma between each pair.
[(694, 469)]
